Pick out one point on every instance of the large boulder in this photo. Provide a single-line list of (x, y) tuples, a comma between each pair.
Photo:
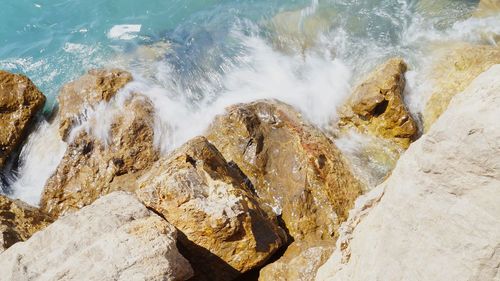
[(98, 85), (300, 262), (454, 68), (20, 100), (294, 167), (376, 106), (437, 217), (116, 238), (19, 221), (92, 166), (223, 230)]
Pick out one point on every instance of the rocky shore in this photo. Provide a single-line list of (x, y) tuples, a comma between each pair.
[(263, 193)]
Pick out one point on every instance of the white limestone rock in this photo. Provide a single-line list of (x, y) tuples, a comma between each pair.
[(438, 216), (115, 238)]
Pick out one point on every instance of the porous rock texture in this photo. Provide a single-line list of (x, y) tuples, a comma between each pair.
[(437, 217), (294, 167), (223, 230), (377, 107), (98, 85), (18, 221), (116, 238), (454, 68), (20, 100)]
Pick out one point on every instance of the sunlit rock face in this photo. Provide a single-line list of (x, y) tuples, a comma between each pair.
[(376, 105), (375, 125), (437, 217), (76, 97), (92, 167), (19, 221), (224, 232), (455, 67), (109, 147), (294, 168), (115, 238), (20, 100)]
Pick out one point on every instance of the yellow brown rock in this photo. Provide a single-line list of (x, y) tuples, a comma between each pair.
[(20, 100), (92, 167), (487, 8), (18, 221), (223, 231), (300, 262), (376, 106), (294, 168), (86, 92), (454, 68)]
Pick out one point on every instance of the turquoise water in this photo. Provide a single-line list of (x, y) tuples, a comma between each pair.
[(54, 41), (194, 58)]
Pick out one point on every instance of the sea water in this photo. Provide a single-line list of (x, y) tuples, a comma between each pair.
[(194, 58)]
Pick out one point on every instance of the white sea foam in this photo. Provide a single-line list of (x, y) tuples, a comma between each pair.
[(124, 31), (39, 159)]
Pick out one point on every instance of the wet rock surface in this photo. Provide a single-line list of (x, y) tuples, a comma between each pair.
[(20, 100), (377, 107), (92, 166), (116, 238), (223, 231), (19, 221), (294, 168), (98, 85)]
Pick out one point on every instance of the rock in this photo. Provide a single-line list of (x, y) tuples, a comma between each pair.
[(86, 92), (376, 106), (116, 238), (20, 100), (92, 167), (299, 263), (454, 69), (487, 8), (18, 221), (299, 30), (437, 217), (294, 168), (224, 231)]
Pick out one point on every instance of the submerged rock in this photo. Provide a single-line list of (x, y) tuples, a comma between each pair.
[(453, 70), (294, 168), (96, 86), (437, 217), (299, 263), (299, 30), (116, 238), (92, 167), (377, 107), (224, 232), (19, 221), (20, 100)]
